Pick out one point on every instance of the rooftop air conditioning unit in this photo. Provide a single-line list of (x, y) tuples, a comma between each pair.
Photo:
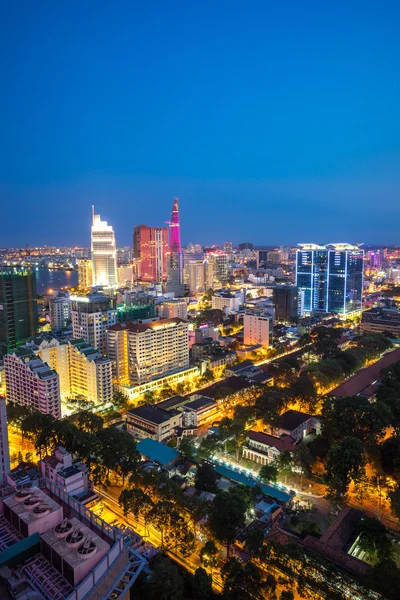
[(63, 529), (23, 495), (32, 501), (41, 510), (87, 549), (74, 539)]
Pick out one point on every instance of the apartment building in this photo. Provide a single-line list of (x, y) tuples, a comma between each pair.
[(380, 320), (83, 371), (60, 312), (257, 329), (171, 309), (91, 316), (228, 302), (4, 447), (148, 351), (31, 382)]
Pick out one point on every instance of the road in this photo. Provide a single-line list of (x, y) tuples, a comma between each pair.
[(148, 533)]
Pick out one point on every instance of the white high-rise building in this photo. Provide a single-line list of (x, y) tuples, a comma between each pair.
[(60, 312), (148, 351), (201, 275), (104, 253), (30, 382), (257, 329), (91, 315), (4, 447)]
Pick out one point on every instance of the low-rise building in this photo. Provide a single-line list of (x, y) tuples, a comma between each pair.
[(264, 449), (148, 421), (380, 320), (199, 411), (228, 302), (297, 424)]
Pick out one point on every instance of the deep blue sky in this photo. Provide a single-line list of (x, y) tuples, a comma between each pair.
[(272, 122)]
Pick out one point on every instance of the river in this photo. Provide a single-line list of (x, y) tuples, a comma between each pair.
[(54, 279)]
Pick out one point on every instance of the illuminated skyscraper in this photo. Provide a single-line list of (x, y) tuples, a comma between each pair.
[(175, 256), (104, 255), (331, 277), (150, 246), (18, 308), (4, 447)]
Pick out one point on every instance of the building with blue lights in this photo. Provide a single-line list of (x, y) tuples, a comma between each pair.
[(331, 278)]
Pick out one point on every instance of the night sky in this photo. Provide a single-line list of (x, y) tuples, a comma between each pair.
[(273, 122)]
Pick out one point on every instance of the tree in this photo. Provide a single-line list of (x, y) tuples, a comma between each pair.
[(187, 448), (284, 463), (385, 579), (137, 502), (206, 478), (354, 416), (345, 462), (209, 555), (242, 582), (268, 472), (39, 428), (202, 585), (304, 392), (286, 595), (16, 414), (119, 399), (208, 446), (87, 420), (303, 458), (373, 538), (394, 499), (149, 396), (173, 528), (166, 582), (167, 392), (254, 541), (227, 514)]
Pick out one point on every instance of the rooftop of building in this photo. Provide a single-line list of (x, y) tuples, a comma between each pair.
[(366, 377), (151, 413), (157, 452), (199, 403), (151, 326), (170, 403), (280, 443), (291, 419), (230, 385)]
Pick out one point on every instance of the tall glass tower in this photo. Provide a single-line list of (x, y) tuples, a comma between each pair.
[(331, 277), (175, 256), (18, 307), (104, 253)]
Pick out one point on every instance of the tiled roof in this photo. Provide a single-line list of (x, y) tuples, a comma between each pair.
[(291, 419), (366, 377), (283, 443)]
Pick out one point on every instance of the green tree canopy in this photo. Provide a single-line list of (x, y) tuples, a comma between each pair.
[(226, 516), (206, 478), (345, 462)]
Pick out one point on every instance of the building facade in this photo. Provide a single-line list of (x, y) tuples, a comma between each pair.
[(60, 312), (30, 382), (286, 303), (152, 422), (150, 245), (18, 308), (171, 309), (264, 449), (228, 302), (104, 253), (148, 351), (85, 273), (257, 329), (91, 316), (174, 255), (4, 447), (331, 278), (70, 476)]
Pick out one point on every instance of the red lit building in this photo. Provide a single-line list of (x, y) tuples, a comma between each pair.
[(150, 245)]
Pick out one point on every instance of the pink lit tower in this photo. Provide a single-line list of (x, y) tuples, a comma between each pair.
[(175, 256)]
